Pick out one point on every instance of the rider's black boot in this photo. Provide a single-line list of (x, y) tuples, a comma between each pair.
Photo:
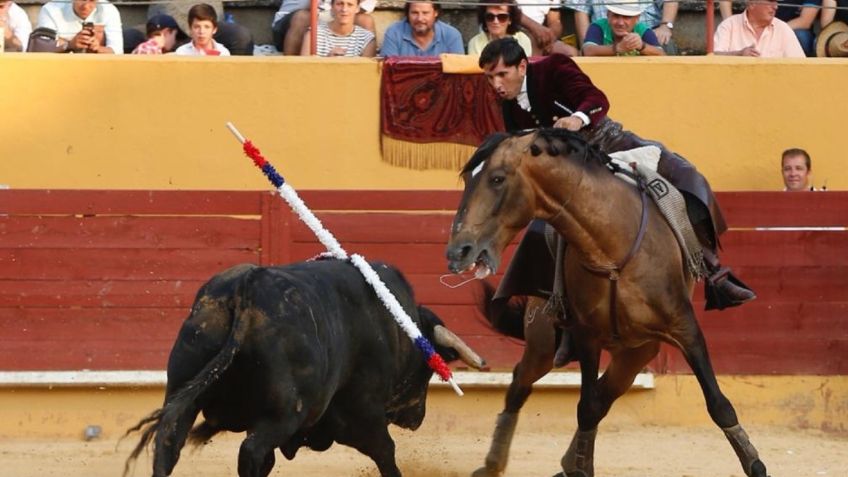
[(722, 288)]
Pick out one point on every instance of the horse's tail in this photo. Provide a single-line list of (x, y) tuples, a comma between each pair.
[(160, 424), (506, 316)]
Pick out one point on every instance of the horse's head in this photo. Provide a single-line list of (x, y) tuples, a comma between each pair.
[(497, 203)]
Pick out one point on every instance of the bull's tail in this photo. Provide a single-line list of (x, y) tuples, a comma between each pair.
[(167, 426), (505, 316)]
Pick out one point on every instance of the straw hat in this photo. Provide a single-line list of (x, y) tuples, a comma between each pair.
[(833, 40)]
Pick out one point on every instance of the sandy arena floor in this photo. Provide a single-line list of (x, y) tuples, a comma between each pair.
[(633, 451)]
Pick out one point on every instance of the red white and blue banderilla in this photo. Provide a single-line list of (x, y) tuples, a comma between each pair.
[(287, 192)]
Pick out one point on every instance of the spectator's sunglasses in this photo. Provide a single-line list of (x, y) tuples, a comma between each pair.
[(502, 17)]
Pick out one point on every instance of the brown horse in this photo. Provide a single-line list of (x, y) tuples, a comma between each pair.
[(555, 176)]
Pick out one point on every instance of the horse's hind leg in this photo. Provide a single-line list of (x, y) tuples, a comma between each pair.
[(537, 361), (596, 398), (691, 343)]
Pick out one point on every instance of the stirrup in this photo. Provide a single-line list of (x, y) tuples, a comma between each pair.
[(725, 290)]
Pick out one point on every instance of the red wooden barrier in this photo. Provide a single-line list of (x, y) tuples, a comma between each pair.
[(103, 279)]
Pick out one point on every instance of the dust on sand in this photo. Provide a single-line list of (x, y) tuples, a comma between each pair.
[(631, 451)]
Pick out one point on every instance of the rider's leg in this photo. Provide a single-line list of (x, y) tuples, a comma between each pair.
[(722, 288)]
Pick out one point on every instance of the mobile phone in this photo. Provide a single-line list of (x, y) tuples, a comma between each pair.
[(88, 26)]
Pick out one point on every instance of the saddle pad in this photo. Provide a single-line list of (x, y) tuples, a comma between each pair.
[(645, 156)]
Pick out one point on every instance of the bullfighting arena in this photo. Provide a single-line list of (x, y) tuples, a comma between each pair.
[(628, 451), (109, 225), (454, 439)]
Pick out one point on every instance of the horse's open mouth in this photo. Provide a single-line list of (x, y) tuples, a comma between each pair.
[(480, 268)]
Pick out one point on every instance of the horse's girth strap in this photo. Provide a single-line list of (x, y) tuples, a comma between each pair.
[(614, 273)]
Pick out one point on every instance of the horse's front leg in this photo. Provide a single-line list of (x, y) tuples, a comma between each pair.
[(537, 361), (691, 342), (596, 398)]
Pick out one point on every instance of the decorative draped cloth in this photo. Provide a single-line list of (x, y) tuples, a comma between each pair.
[(433, 113)]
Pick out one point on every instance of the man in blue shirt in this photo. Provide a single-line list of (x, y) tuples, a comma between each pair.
[(421, 33)]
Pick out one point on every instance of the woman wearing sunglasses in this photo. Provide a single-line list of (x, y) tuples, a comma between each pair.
[(499, 21)]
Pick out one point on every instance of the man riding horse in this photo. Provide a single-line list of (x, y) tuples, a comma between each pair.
[(554, 92)]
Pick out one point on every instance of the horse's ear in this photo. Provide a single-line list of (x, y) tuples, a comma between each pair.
[(535, 150)]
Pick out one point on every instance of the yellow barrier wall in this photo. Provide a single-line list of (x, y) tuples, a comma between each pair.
[(799, 402), (158, 123)]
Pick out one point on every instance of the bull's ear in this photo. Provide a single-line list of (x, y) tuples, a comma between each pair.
[(428, 317)]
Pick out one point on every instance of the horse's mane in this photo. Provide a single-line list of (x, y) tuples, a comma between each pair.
[(573, 141)]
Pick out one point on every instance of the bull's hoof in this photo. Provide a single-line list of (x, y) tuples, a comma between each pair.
[(486, 472), (758, 469)]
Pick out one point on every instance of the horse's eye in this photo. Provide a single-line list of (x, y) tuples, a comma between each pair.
[(497, 180)]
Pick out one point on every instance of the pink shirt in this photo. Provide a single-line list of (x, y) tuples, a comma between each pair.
[(777, 41)]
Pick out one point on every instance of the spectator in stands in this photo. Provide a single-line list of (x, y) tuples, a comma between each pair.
[(544, 25), (342, 36), (293, 18), (162, 35), (498, 21), (800, 15), (796, 165), (833, 40), (834, 10), (421, 33), (756, 32), (236, 38), (659, 15), (621, 33), (103, 25), (203, 23), (16, 26)]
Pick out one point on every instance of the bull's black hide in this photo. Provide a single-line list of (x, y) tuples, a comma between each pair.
[(298, 355)]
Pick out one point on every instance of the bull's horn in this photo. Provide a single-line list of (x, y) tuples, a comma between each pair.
[(448, 338)]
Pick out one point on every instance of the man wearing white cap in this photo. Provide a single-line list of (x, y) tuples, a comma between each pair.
[(621, 33)]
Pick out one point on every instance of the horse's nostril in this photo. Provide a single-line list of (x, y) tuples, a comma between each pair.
[(459, 252)]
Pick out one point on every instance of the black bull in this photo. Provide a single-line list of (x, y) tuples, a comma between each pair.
[(298, 355)]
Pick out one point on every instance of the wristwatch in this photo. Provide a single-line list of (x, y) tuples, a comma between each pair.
[(669, 25)]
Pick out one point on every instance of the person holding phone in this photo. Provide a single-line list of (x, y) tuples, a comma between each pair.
[(84, 26)]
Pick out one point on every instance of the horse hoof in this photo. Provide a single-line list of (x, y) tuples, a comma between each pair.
[(485, 472), (578, 473), (758, 469)]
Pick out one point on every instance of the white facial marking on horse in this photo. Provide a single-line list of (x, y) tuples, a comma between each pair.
[(478, 169)]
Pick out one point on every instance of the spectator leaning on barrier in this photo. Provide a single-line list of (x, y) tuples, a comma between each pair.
[(16, 26), (162, 35), (421, 33), (659, 15), (102, 32), (203, 23), (499, 21), (756, 32), (833, 38), (796, 166), (800, 15), (621, 33), (293, 18), (543, 23), (341, 36)]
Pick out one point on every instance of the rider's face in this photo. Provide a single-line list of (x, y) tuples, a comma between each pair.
[(506, 80)]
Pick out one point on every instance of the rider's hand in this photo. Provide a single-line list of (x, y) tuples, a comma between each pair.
[(572, 123)]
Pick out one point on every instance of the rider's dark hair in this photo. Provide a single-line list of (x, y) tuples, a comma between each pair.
[(506, 48)]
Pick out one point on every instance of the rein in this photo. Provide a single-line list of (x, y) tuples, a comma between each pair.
[(613, 273)]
